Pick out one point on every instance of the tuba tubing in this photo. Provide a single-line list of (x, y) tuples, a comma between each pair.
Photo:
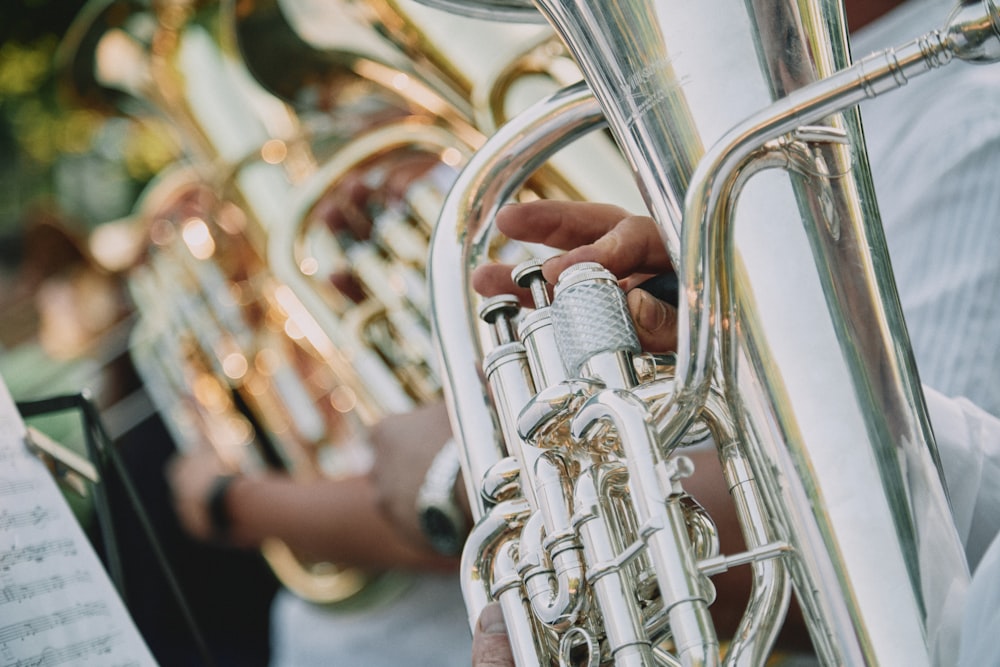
[(843, 583), (338, 342), (460, 241)]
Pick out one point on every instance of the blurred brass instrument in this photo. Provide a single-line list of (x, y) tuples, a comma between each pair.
[(381, 335), (229, 354), (793, 355), (220, 351), (216, 350), (245, 343)]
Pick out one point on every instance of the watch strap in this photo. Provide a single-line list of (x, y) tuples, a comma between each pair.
[(218, 513)]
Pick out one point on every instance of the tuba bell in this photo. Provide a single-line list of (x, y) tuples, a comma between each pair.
[(793, 355)]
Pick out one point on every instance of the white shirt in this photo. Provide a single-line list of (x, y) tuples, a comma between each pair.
[(424, 626), (934, 148)]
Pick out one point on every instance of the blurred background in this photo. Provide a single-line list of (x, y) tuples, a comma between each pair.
[(210, 211), (70, 174)]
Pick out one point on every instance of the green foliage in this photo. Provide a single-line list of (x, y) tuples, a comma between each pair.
[(27, 21), (41, 131)]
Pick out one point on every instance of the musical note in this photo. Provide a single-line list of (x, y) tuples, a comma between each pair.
[(36, 552), (33, 626), (72, 654), (26, 591), (19, 519), (13, 486), (57, 603)]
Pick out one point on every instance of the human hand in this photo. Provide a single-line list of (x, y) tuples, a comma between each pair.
[(490, 642), (629, 246), (191, 478), (405, 446)]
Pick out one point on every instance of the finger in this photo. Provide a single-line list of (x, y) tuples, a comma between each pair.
[(655, 321), (558, 224), (494, 280), (629, 283), (491, 643), (632, 245)]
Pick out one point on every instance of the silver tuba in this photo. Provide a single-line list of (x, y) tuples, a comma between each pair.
[(793, 355)]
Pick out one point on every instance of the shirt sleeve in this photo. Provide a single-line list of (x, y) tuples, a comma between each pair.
[(968, 440)]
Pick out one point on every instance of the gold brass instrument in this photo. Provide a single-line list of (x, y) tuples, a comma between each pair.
[(793, 355), (211, 343), (339, 51), (228, 354), (224, 360), (382, 335), (302, 52)]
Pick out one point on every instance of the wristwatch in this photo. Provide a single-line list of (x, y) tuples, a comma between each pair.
[(215, 503), (441, 518)]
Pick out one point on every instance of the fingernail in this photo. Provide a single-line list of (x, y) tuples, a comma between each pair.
[(491, 620), (651, 313)]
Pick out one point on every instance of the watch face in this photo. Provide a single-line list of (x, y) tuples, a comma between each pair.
[(441, 530)]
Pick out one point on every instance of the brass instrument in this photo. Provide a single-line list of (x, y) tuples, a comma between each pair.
[(249, 347), (220, 352), (797, 366), (223, 345), (302, 52)]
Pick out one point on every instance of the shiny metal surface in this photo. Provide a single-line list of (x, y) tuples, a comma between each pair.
[(215, 349), (461, 240), (790, 321), (906, 470), (396, 378)]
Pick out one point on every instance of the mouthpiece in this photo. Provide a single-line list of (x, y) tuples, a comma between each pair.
[(975, 37)]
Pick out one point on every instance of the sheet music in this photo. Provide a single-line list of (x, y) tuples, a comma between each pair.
[(57, 603)]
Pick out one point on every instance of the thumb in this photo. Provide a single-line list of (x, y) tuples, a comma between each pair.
[(491, 645), (655, 321)]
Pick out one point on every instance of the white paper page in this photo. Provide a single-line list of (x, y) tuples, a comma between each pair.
[(57, 603)]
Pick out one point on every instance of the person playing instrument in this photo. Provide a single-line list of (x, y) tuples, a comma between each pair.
[(968, 436), (943, 273), (933, 146), (338, 519)]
